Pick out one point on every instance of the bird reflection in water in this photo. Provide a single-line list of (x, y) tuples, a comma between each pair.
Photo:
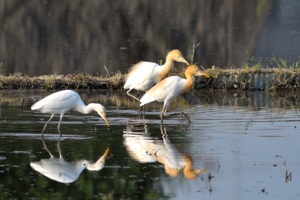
[(145, 149), (63, 171)]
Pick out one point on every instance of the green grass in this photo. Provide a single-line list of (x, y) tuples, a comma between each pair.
[(193, 48)]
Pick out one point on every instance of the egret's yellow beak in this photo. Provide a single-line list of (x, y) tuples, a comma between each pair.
[(105, 153), (181, 59), (203, 74), (103, 115), (186, 62)]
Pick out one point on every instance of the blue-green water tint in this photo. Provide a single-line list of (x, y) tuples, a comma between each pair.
[(248, 141)]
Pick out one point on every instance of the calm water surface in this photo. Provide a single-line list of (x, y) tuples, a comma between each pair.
[(248, 142), (66, 37)]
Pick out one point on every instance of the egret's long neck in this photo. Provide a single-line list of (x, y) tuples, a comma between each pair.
[(188, 163), (190, 80), (166, 68), (79, 166), (188, 170), (86, 109), (99, 164), (95, 166), (172, 171)]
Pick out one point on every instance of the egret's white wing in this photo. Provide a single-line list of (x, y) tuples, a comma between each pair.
[(142, 76), (57, 102), (56, 170), (167, 88)]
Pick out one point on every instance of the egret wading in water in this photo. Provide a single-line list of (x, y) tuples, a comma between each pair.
[(64, 101), (171, 87), (143, 75)]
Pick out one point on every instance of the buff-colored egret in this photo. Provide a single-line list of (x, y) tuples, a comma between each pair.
[(64, 101), (63, 171), (143, 75), (171, 87)]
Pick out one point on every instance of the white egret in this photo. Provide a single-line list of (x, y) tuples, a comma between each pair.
[(63, 171), (144, 75), (64, 101), (171, 87)]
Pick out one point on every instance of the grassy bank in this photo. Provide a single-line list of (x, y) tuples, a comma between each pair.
[(49, 82), (229, 79)]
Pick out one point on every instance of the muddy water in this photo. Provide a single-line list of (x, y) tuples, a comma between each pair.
[(248, 142)]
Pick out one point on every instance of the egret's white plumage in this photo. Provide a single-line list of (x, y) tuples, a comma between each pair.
[(64, 101), (171, 87), (144, 75), (63, 171)]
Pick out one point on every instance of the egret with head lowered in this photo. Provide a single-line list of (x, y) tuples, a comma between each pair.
[(64, 101), (143, 75)]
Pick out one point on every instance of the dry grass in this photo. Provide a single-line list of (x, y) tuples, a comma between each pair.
[(48, 82), (241, 79)]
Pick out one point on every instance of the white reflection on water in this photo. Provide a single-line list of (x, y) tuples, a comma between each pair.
[(144, 149), (60, 170)]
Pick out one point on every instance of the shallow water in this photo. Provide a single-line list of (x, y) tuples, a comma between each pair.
[(247, 141)]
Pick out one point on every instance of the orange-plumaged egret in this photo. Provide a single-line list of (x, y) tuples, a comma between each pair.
[(171, 87), (64, 101), (143, 75), (63, 171)]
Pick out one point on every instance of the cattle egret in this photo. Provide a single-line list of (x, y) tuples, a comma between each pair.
[(171, 87), (64, 101), (144, 75)]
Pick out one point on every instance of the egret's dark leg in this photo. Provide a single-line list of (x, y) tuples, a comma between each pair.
[(161, 118), (45, 147), (132, 95), (58, 147), (163, 113), (58, 126), (183, 127), (186, 116), (163, 130), (142, 111), (46, 124)]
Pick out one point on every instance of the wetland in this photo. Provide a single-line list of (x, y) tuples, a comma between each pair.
[(248, 142)]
